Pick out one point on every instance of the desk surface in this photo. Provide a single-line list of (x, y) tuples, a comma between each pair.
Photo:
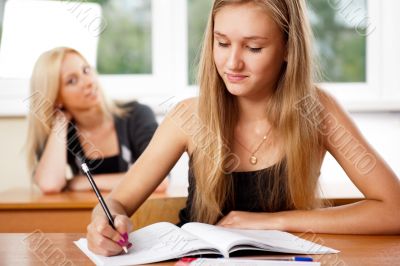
[(39, 248), (69, 212), (27, 209), (32, 198)]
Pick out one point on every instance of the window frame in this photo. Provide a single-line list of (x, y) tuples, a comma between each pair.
[(348, 93), (169, 77)]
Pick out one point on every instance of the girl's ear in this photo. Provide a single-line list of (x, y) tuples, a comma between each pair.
[(58, 106), (58, 103)]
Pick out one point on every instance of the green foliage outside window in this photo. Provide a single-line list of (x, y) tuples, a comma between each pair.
[(197, 19), (340, 46), (125, 43)]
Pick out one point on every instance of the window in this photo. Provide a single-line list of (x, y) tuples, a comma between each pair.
[(32, 27), (340, 38), (125, 43), (123, 40), (136, 51), (149, 51)]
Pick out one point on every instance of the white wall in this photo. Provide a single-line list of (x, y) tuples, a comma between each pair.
[(12, 157)]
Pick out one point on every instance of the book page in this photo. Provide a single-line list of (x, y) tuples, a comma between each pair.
[(229, 240), (284, 242), (156, 242), (218, 236)]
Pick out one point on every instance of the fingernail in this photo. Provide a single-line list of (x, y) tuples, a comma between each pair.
[(129, 245), (121, 242), (125, 236), (187, 259)]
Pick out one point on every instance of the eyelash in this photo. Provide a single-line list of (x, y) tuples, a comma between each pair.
[(220, 44), (253, 50), (71, 81), (86, 71)]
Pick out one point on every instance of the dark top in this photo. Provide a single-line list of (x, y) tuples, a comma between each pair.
[(251, 192), (134, 131)]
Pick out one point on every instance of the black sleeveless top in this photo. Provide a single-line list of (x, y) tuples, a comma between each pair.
[(134, 131), (251, 192)]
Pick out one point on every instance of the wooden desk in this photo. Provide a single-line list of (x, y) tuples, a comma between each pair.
[(26, 210), (23, 210), (47, 249)]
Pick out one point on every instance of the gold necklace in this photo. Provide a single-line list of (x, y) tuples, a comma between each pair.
[(253, 159)]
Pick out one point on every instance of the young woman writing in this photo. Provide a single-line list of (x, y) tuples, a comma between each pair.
[(256, 137)]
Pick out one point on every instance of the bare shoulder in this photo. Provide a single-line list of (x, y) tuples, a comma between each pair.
[(332, 107), (184, 108), (334, 118), (183, 112), (328, 101), (184, 120)]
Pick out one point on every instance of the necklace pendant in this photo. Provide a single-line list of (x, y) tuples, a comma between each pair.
[(253, 160)]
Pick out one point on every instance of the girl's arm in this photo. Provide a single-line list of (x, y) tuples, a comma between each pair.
[(163, 151), (105, 182), (142, 124), (378, 213), (50, 171)]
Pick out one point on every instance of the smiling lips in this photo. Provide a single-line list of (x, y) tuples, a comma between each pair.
[(234, 78), (92, 93)]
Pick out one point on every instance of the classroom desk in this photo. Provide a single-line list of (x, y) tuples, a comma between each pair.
[(23, 210), (58, 249)]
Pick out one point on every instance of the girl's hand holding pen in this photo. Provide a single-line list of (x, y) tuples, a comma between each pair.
[(107, 235), (104, 240)]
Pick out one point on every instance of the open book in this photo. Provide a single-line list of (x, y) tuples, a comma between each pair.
[(165, 241)]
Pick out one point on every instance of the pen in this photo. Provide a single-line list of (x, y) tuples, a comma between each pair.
[(188, 260), (292, 258), (85, 169)]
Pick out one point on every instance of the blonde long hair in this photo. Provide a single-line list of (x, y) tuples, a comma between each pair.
[(44, 91), (218, 111)]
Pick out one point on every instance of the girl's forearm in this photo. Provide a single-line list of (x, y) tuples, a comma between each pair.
[(50, 171), (104, 182), (363, 217)]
